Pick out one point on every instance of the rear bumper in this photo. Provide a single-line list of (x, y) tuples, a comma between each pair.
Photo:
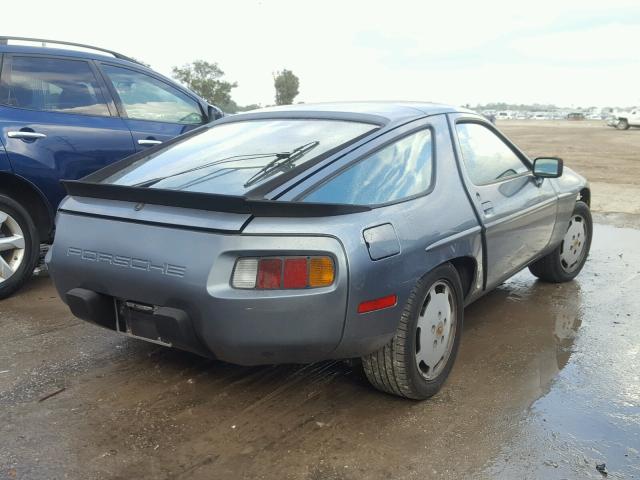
[(183, 275)]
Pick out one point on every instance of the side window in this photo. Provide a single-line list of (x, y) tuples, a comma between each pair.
[(394, 172), (145, 98), (486, 157), (51, 84)]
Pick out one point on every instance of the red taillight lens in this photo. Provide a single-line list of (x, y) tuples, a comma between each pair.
[(378, 304), (289, 273), (295, 273), (269, 273)]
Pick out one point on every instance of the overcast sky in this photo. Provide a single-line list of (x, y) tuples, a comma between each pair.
[(572, 53)]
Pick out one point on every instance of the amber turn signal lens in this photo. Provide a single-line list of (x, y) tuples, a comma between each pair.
[(321, 271)]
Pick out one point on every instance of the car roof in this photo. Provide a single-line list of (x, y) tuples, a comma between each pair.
[(392, 111)]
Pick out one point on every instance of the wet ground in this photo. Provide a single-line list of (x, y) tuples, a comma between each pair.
[(547, 385)]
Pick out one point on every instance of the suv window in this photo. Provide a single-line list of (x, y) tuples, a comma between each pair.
[(52, 84), (145, 98), (395, 172), (486, 157)]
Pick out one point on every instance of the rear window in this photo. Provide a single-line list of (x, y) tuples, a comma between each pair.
[(233, 158)]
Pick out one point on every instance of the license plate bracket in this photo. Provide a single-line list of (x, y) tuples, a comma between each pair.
[(139, 321)]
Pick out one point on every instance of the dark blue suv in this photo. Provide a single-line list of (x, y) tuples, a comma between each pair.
[(65, 113)]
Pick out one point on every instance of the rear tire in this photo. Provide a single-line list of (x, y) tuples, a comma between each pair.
[(566, 261), (19, 246), (433, 311), (622, 125)]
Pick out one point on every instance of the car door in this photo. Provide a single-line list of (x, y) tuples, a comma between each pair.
[(154, 110), (517, 210), (57, 121)]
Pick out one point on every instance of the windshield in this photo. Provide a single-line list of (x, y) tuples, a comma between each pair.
[(232, 158)]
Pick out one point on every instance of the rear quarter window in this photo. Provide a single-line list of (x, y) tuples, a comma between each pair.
[(396, 172), (51, 84)]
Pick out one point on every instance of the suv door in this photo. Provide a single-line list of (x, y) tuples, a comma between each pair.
[(57, 121), (517, 209), (154, 110)]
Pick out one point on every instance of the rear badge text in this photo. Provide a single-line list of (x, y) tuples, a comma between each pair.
[(127, 262)]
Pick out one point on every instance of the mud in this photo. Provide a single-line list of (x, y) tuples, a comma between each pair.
[(546, 385)]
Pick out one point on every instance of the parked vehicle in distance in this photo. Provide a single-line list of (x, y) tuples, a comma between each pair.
[(504, 116), (540, 116), (63, 114), (624, 120), (314, 232), (575, 116), (491, 117)]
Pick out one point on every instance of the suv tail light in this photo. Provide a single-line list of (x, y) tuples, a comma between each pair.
[(271, 273)]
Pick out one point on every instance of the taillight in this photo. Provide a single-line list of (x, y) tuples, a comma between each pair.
[(269, 273)]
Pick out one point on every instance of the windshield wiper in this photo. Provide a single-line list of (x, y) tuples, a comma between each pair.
[(289, 157), (234, 158), (282, 160)]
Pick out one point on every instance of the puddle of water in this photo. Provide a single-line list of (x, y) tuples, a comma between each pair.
[(592, 412)]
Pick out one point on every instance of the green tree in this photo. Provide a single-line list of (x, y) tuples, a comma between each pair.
[(286, 84), (206, 79), (246, 108)]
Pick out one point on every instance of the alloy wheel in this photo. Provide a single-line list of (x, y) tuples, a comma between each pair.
[(11, 246), (436, 330), (572, 248)]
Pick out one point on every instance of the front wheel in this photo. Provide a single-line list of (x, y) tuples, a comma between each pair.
[(19, 246), (622, 125), (566, 261), (418, 359)]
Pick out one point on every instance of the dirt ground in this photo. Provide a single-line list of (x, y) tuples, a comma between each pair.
[(546, 384), (609, 158)]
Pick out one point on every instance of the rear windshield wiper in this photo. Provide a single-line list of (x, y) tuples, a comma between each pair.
[(289, 157), (234, 158), (282, 160)]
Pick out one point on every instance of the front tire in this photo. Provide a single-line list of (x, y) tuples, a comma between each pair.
[(417, 360), (566, 261), (622, 124), (19, 246)]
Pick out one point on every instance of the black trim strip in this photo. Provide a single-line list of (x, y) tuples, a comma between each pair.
[(207, 201)]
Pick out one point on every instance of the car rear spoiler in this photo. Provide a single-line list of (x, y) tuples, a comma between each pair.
[(208, 201)]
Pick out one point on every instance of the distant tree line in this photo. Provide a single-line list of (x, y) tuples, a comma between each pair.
[(207, 80)]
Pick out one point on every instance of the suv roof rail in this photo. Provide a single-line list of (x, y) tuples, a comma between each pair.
[(4, 41)]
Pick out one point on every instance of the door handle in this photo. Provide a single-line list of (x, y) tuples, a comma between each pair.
[(26, 135), (148, 141), (487, 207)]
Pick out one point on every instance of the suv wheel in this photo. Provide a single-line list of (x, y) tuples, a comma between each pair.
[(418, 359), (19, 246), (622, 124)]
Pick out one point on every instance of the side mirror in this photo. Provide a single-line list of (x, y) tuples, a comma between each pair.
[(547, 167), (214, 113)]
